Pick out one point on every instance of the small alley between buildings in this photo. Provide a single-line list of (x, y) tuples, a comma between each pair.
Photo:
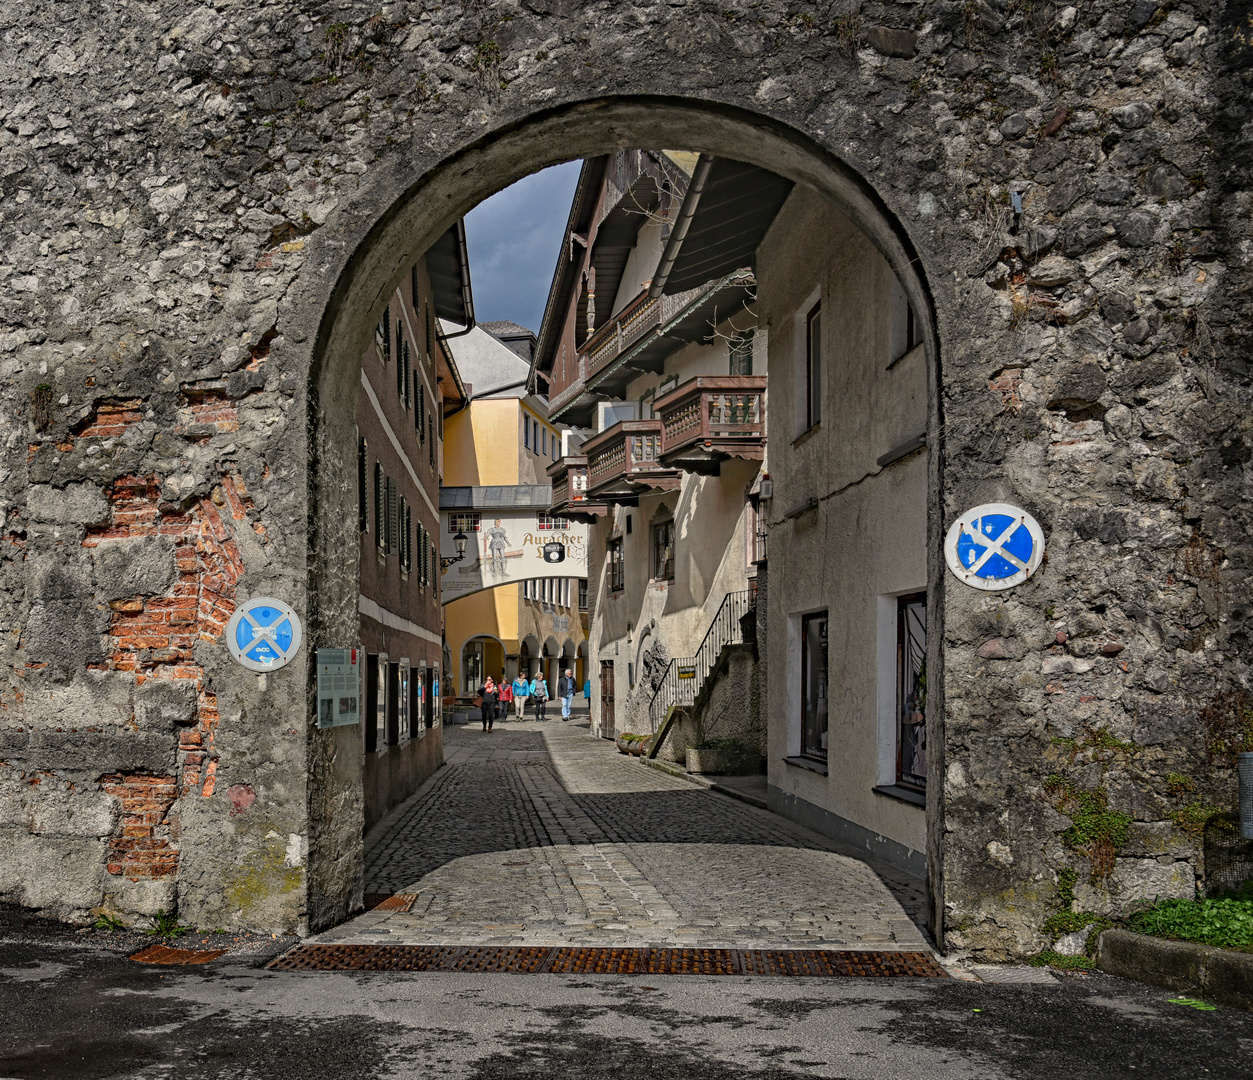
[(536, 834)]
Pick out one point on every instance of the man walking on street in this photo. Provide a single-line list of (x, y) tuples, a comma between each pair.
[(565, 691)]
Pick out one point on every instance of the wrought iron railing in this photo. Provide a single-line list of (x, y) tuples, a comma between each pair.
[(686, 676)]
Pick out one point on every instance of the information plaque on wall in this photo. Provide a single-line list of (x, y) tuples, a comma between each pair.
[(339, 687)]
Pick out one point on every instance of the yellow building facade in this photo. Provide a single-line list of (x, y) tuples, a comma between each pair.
[(503, 440)]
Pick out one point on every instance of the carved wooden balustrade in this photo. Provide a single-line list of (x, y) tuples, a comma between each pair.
[(711, 418), (570, 498), (624, 460)]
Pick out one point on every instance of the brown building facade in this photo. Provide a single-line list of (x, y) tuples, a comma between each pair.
[(407, 380)]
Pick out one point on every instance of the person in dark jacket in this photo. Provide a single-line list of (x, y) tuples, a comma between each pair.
[(490, 697), (565, 691), (539, 694)]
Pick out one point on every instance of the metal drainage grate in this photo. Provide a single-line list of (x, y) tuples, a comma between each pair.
[(591, 961), (163, 954), (399, 902)]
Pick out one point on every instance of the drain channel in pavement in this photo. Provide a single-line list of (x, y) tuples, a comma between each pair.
[(592, 961), (163, 954)]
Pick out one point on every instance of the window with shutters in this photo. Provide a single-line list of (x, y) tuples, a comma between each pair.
[(402, 350), (402, 506), (741, 350), (617, 577), (363, 486), (407, 381), (419, 412), (424, 540), (408, 538), (393, 526), (380, 507), (430, 332), (383, 337), (663, 546), (431, 451)]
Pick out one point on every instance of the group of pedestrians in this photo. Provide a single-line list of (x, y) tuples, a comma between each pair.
[(494, 698)]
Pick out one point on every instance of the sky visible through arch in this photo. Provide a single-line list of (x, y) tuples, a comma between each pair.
[(513, 239)]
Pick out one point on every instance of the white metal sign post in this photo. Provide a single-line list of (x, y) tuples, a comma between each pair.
[(994, 546), (263, 634)]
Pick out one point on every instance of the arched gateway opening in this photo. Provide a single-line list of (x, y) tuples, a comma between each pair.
[(402, 217)]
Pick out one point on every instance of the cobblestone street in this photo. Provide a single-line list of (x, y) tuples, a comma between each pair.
[(540, 835)]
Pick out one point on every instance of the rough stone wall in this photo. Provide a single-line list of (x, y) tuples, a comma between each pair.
[(190, 191), (730, 707)]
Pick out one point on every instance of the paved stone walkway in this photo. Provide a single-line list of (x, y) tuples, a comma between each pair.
[(537, 834)]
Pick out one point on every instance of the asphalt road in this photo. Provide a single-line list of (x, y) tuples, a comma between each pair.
[(73, 1005)]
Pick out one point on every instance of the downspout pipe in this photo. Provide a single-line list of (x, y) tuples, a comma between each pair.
[(687, 211), (467, 296)]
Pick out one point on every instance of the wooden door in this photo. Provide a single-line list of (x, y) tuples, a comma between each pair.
[(607, 727)]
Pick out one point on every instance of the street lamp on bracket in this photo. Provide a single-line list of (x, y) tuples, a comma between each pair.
[(445, 561)]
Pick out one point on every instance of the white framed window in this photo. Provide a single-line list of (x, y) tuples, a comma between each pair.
[(904, 327), (464, 522)]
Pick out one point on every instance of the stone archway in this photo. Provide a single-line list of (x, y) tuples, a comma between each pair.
[(201, 242), (416, 214)]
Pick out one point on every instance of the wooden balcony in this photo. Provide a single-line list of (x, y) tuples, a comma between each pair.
[(623, 463), (711, 418), (569, 479), (621, 332), (640, 337)]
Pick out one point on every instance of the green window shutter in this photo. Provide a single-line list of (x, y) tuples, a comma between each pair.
[(380, 507), (392, 528)]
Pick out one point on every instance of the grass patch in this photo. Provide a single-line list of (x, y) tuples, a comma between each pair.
[(166, 924), (1225, 922)]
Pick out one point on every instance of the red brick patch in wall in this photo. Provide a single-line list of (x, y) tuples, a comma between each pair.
[(154, 637), (111, 418), (143, 850), (207, 402)]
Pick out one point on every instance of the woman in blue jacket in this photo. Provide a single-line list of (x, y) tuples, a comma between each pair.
[(521, 690)]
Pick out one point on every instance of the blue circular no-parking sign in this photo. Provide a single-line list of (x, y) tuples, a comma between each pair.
[(263, 634), (994, 546)]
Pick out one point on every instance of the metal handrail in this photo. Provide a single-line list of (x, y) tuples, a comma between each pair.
[(686, 676)]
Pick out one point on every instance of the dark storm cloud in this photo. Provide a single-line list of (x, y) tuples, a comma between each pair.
[(514, 238)]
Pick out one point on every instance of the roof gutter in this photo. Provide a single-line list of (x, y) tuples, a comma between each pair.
[(467, 297), (687, 211)]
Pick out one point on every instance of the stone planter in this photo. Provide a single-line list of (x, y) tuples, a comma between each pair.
[(709, 759), (725, 760), (457, 716), (1182, 966)]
